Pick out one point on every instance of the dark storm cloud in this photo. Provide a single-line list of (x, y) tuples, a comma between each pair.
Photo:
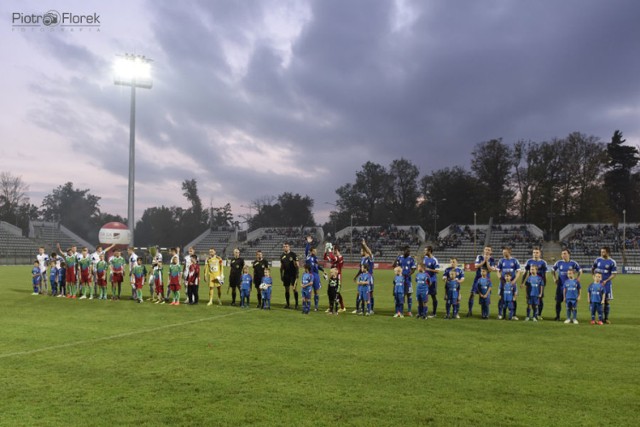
[(363, 81)]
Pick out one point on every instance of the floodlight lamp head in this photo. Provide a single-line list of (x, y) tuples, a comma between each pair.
[(133, 70)]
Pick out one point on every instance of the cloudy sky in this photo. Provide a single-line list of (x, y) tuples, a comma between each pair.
[(254, 98)]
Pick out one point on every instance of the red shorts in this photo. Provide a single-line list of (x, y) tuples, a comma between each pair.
[(71, 274), (101, 279), (85, 276), (116, 277), (159, 287), (139, 282), (174, 288)]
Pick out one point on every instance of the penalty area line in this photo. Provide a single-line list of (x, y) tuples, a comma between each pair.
[(117, 336)]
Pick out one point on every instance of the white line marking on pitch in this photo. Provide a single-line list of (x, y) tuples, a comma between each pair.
[(122, 335)]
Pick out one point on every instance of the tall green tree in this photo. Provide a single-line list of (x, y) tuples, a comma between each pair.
[(492, 163), (402, 196), (451, 196), (620, 177), (287, 210), (76, 209), (14, 201)]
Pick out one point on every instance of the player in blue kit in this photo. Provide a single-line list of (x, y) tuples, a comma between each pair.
[(596, 294), (398, 291), (36, 277), (608, 269), (422, 291), (367, 261), (307, 285), (53, 278), (484, 290), (266, 285), (458, 272), (432, 267), (245, 287), (487, 262), (408, 265), (452, 295), (542, 272), (315, 269), (560, 269), (535, 287), (571, 292), (509, 296), (506, 265), (364, 282)]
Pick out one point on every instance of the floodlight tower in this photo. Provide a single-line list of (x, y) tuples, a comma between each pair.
[(135, 71)]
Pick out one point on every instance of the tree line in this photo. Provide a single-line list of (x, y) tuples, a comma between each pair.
[(549, 183)]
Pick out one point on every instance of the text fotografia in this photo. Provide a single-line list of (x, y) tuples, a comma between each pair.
[(54, 20)]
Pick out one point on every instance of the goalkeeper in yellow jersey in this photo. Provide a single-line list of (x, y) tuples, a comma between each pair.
[(214, 275)]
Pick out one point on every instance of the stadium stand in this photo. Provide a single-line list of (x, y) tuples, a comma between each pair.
[(270, 240), (48, 234), (386, 242), (585, 241), (520, 237), (14, 248), (458, 241), (218, 238)]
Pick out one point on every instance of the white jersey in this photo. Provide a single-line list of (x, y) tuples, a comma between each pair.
[(95, 257), (43, 261), (133, 260), (187, 264), (157, 258), (58, 259)]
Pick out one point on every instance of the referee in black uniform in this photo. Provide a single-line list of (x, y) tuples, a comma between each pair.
[(236, 264), (259, 264), (289, 273)]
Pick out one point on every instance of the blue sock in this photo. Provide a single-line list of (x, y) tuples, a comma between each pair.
[(410, 301), (471, 301), (528, 311), (575, 313), (369, 307), (448, 305), (568, 313), (606, 311), (435, 306), (372, 301), (316, 299), (35, 289)]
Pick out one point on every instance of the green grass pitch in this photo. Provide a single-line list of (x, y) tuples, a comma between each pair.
[(69, 362)]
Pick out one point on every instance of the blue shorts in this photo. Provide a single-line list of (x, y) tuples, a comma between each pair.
[(266, 293), (533, 300), (316, 282), (306, 292), (486, 300), (474, 287), (363, 292), (608, 291), (571, 303), (422, 291), (452, 297), (408, 286), (433, 289)]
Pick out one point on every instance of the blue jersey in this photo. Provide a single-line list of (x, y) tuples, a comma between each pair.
[(453, 288), (307, 279), (407, 263), (606, 267), (267, 281), (364, 277), (368, 262), (53, 274), (562, 267), (398, 285), (246, 282), (432, 263), (596, 293), (422, 280), (509, 292), (510, 265), (572, 289), (312, 260), (38, 275), (480, 260), (534, 286), (458, 270), (542, 267), (62, 275), (484, 284)]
